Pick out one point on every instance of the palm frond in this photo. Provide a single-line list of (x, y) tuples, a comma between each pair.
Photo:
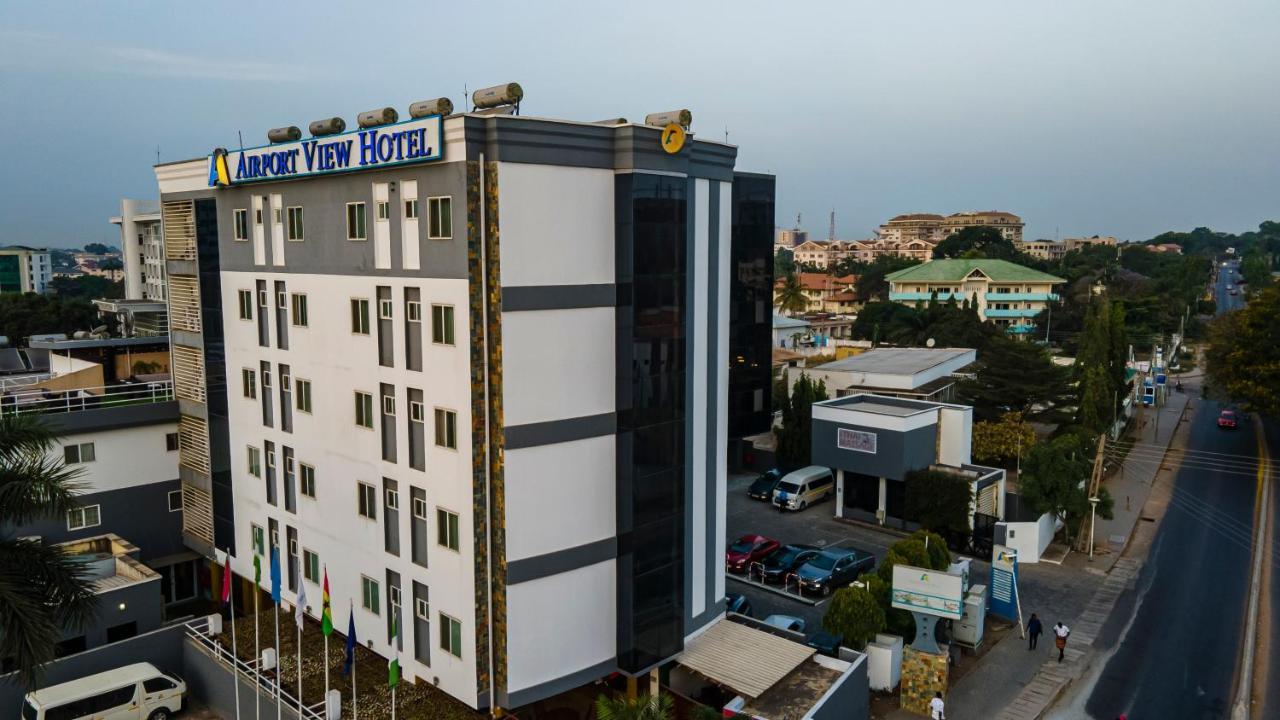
[(37, 486), (43, 593), (24, 435)]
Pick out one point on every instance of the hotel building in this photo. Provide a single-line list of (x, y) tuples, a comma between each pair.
[(485, 372), (1005, 293)]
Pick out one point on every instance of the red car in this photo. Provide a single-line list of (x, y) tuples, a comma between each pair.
[(748, 549), (1227, 419)]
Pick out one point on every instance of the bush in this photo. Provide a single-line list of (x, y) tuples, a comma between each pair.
[(854, 614), (938, 500), (939, 555)]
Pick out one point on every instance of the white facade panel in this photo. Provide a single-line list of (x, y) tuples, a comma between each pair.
[(381, 228), (721, 447), (697, 381), (558, 364), (259, 233), (409, 225), (123, 458), (560, 496), (277, 229), (339, 362), (557, 225), (561, 624)]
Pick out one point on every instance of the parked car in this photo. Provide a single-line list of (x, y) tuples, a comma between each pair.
[(748, 549), (786, 622), (804, 487), (736, 603), (762, 487), (785, 561), (132, 692), (1227, 419), (833, 568)]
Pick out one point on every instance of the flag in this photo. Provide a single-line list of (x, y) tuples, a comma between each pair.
[(275, 576), (351, 644), (257, 569), (226, 578), (393, 667), (326, 615), (299, 611)]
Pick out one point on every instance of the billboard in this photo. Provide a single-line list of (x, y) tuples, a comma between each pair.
[(932, 592), (1004, 583), (856, 440)]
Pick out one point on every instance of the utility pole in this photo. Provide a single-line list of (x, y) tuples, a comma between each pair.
[(1095, 482), (831, 230), (1048, 324)]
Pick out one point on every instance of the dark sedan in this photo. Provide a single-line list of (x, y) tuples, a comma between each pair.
[(762, 488), (785, 561), (748, 549), (831, 569)]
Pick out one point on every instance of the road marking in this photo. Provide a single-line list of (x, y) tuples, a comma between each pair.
[(1244, 691)]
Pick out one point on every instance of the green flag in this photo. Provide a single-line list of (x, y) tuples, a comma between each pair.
[(257, 569), (393, 667)]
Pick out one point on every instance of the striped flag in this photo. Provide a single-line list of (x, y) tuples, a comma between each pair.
[(352, 641), (393, 667), (275, 576), (300, 611), (257, 569), (326, 615), (226, 578)]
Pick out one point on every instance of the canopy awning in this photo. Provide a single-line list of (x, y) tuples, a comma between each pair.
[(741, 658)]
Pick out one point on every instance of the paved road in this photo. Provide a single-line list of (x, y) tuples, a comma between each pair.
[(1176, 653)]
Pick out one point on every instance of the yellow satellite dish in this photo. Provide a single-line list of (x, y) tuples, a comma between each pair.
[(672, 138)]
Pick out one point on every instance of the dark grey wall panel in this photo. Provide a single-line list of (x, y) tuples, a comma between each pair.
[(559, 431), (897, 453), (139, 514), (541, 566), (418, 525), (558, 297), (113, 418), (391, 517)]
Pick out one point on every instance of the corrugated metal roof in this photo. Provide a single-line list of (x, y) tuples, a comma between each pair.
[(743, 659), (955, 270)]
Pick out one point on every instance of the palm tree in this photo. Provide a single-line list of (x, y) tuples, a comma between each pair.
[(43, 591), (645, 707), (791, 297)]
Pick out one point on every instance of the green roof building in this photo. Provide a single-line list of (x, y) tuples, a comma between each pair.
[(1006, 293)]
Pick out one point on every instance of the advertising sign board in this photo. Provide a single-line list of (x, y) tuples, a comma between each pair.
[(932, 592), (1004, 583)]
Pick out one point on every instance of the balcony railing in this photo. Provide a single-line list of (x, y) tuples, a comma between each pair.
[(179, 223), (43, 400)]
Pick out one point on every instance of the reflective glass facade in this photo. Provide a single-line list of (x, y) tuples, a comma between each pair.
[(751, 304), (652, 264)]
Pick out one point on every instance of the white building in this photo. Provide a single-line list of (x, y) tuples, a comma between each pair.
[(143, 249), (25, 269), (448, 364)]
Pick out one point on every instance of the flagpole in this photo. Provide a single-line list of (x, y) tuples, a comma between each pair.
[(354, 713), (235, 656), (278, 667), (257, 656), (300, 609), (393, 703)]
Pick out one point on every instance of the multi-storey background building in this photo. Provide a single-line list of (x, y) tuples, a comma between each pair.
[(143, 249), (481, 372), (24, 269)]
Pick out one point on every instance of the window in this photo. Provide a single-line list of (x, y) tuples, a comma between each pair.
[(84, 517), (450, 635), (385, 309), (79, 453), (446, 428), (275, 214), (410, 209), (413, 309), (384, 210), (157, 684), (447, 528), (299, 309), (246, 304), (266, 378), (262, 298), (303, 395), (175, 500), (307, 480), (369, 595), (310, 566), (442, 324), (388, 405), (171, 442), (420, 508), (393, 499), (364, 409), (355, 221), (257, 216), (258, 538), (255, 461), (359, 316), (417, 412), (295, 223), (242, 224), (393, 597), (367, 498), (422, 609), (271, 459), (249, 383), (282, 301), (440, 218)]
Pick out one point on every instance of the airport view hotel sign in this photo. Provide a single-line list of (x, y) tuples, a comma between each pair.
[(411, 141)]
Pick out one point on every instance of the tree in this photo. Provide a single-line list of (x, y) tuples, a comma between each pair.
[(791, 298), (43, 591), (1255, 269), (978, 241), (111, 264), (796, 434), (87, 287), (1100, 365), (1241, 356), (871, 283), (25, 314), (98, 248), (783, 262), (939, 501), (854, 615), (1016, 377), (1055, 476), (645, 707), (1003, 440)]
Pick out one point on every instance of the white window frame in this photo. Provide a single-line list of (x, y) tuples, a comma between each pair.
[(362, 408), (413, 310), (298, 302), (382, 208), (266, 379), (366, 583), (389, 405), (419, 507), (386, 309), (444, 325), (417, 411), (177, 442), (446, 415), (422, 609), (240, 222), (435, 230), (446, 631), (303, 471), (173, 508), (262, 298), (245, 299), (453, 542), (411, 209), (78, 517), (258, 539), (362, 217), (282, 299), (363, 314), (253, 461), (79, 453), (368, 495), (291, 225), (249, 383), (392, 499), (298, 394), (306, 566)]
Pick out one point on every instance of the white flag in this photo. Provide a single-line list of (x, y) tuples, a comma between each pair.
[(298, 612)]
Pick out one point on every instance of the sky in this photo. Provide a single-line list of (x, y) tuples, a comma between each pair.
[(1084, 117)]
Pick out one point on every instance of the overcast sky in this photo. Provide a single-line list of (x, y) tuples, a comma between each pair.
[(1122, 118)]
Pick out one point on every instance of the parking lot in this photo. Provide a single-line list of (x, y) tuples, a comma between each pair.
[(1042, 586)]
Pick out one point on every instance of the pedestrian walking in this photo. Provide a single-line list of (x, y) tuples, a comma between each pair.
[(1034, 630), (937, 709), (1060, 633)]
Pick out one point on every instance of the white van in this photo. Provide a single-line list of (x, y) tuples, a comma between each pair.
[(804, 487), (133, 692)]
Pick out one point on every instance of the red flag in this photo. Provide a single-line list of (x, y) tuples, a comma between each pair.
[(226, 579)]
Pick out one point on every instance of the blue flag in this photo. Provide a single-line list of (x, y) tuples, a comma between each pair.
[(351, 644), (275, 576)]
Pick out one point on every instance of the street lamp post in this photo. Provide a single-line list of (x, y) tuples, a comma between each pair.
[(1093, 522)]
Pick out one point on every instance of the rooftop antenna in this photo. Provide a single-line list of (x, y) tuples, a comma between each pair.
[(157, 154), (240, 135), (831, 231), (797, 221), (726, 134), (466, 96)]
